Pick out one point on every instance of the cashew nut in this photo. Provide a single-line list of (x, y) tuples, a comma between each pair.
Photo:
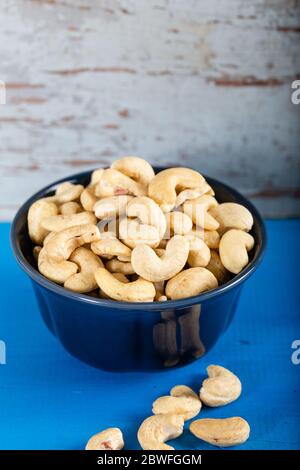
[(88, 262), (68, 208), (210, 237), (121, 277), (148, 212), (188, 406), (136, 168), (116, 266), (156, 430), (163, 186), (146, 223), (232, 215), (178, 223), (62, 244), (96, 176), (136, 291), (148, 265), (221, 432), (113, 183), (183, 391), (111, 246), (188, 194), (222, 387), (67, 192), (197, 209), (133, 233), (48, 237), (124, 259), (55, 271), (39, 211), (233, 249), (136, 213), (88, 198), (56, 223), (209, 223), (113, 206), (199, 255), (216, 267), (190, 282), (110, 439)]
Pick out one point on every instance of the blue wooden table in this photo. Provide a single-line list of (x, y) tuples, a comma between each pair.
[(49, 400)]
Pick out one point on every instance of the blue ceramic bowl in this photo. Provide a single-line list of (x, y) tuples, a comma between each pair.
[(122, 336)]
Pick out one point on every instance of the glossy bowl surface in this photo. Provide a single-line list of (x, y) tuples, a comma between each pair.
[(122, 336)]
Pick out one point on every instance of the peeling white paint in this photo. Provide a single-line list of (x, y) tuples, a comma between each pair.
[(204, 84)]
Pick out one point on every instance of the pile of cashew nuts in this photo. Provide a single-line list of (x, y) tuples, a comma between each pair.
[(170, 412), (134, 236)]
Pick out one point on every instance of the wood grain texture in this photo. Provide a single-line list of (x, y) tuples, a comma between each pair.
[(200, 83)]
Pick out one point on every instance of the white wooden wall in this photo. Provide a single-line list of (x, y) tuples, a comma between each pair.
[(202, 83)]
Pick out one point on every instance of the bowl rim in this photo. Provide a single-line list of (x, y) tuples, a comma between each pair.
[(36, 276)]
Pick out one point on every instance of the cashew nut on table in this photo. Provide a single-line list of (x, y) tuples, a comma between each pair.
[(109, 439), (166, 233), (170, 412)]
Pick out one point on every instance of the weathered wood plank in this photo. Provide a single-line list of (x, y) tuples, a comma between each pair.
[(205, 84)]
